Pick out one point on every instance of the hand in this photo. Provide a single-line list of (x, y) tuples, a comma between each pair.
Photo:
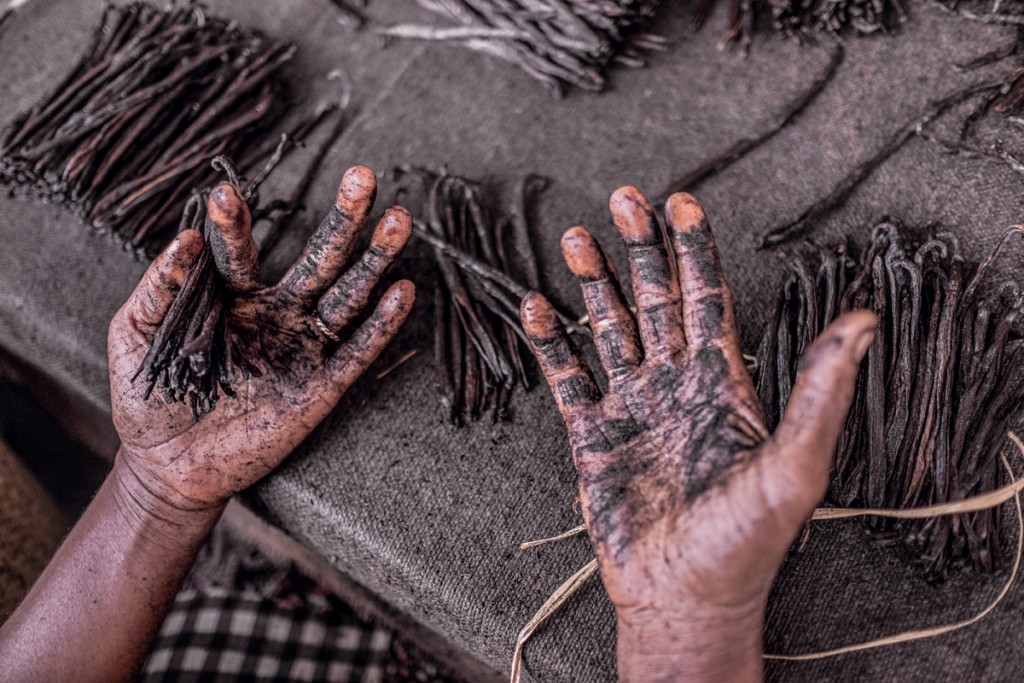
[(690, 503), (199, 465)]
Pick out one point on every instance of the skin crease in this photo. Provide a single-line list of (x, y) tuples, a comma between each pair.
[(95, 609), (690, 503)]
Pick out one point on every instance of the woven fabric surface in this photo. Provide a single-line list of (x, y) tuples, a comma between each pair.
[(430, 518)]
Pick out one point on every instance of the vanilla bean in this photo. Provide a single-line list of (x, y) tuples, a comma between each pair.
[(848, 184), (481, 270), (981, 17), (799, 19), (744, 146), (313, 169), (529, 185)]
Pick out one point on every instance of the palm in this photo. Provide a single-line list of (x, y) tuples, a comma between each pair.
[(303, 370), (684, 491)]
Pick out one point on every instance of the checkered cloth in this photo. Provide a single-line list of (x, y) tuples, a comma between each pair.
[(223, 635)]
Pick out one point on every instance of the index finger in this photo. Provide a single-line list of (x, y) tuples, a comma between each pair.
[(153, 295)]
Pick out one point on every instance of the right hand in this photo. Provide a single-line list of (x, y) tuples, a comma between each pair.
[(197, 465)]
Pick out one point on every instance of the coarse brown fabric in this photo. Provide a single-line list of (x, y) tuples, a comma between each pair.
[(31, 527), (430, 518)]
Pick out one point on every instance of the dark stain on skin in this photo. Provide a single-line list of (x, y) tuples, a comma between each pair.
[(825, 348), (319, 244), (596, 294), (610, 435), (653, 240), (609, 344), (333, 224), (711, 314), (555, 351), (627, 497), (710, 440), (641, 476), (576, 389), (651, 264), (706, 270), (664, 379), (219, 249), (658, 323), (284, 341), (697, 238)]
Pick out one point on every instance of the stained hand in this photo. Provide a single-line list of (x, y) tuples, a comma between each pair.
[(303, 329), (690, 503)]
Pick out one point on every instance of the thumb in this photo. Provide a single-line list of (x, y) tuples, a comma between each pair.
[(155, 293), (805, 441)]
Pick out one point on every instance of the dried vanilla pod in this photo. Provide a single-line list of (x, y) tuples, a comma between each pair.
[(557, 42), (1003, 95), (942, 381), (133, 127)]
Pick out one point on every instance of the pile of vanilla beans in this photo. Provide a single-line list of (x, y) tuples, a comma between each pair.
[(935, 396), (132, 129), (479, 344), (555, 41)]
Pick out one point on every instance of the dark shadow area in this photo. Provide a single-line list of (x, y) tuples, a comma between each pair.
[(66, 468)]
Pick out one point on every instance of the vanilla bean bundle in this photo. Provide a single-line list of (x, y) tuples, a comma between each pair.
[(478, 340), (798, 18), (477, 352), (195, 356), (133, 128), (555, 41), (942, 381)]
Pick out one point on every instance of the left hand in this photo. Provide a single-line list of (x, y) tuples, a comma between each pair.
[(200, 465)]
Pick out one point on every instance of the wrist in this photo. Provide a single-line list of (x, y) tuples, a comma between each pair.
[(691, 642), (151, 506)]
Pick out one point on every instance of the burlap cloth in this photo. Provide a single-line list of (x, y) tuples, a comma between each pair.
[(430, 518)]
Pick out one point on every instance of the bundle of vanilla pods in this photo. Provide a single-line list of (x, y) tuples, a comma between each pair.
[(555, 41), (133, 127), (479, 343), (195, 356), (800, 18), (936, 394)]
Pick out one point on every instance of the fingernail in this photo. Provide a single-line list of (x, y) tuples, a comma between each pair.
[(861, 344)]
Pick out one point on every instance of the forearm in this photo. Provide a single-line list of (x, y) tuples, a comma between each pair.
[(722, 647), (93, 613)]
